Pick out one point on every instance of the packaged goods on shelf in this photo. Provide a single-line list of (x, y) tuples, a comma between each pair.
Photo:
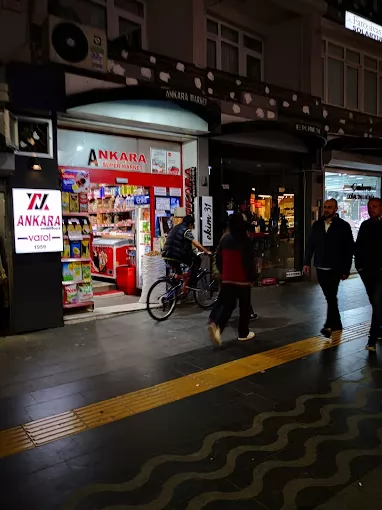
[(70, 295)]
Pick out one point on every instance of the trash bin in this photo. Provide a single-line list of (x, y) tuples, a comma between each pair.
[(126, 279)]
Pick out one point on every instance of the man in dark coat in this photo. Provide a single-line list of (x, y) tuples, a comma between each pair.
[(368, 261), (331, 242)]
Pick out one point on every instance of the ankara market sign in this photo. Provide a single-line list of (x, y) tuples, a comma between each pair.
[(363, 26)]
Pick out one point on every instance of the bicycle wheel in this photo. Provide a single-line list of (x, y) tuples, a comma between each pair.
[(161, 299), (208, 291)]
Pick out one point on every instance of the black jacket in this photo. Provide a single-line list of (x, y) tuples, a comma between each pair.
[(332, 249), (177, 247), (368, 247)]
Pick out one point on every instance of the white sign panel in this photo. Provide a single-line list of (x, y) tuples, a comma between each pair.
[(363, 26), (207, 218), (160, 191), (158, 161), (175, 192), (173, 163), (37, 219)]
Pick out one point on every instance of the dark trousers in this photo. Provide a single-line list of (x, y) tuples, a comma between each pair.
[(194, 266), (226, 304), (373, 285), (329, 282)]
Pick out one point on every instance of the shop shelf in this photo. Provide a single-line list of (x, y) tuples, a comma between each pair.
[(76, 214), (111, 211), (76, 283), (79, 305), (64, 259), (83, 237)]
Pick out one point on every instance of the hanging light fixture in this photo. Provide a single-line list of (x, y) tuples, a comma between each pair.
[(34, 164)]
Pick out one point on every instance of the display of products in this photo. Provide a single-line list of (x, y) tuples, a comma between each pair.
[(75, 249), (84, 292), (65, 201), (74, 203), (70, 296)]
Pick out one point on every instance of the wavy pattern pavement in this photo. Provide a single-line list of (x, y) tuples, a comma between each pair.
[(206, 449)]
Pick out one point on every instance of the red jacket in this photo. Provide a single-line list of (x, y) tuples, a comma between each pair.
[(235, 260)]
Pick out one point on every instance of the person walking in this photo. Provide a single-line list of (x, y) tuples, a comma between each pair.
[(235, 262), (368, 262), (331, 242)]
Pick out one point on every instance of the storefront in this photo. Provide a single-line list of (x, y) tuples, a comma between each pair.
[(261, 170), (126, 167), (352, 176)]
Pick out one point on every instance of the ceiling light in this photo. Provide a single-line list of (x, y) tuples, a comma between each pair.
[(80, 148), (34, 164)]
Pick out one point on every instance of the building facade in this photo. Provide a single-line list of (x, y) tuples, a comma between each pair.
[(265, 107)]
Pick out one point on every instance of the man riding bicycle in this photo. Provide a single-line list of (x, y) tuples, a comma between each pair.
[(182, 248)]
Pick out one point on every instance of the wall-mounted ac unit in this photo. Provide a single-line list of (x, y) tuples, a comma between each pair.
[(77, 45)]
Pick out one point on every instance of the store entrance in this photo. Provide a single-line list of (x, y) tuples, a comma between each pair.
[(268, 190), (4, 266)]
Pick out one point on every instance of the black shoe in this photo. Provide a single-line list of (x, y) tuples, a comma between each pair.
[(327, 332), (253, 316)]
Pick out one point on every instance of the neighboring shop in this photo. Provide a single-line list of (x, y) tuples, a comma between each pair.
[(261, 170)]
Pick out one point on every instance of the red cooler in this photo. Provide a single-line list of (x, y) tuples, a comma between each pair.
[(126, 279)]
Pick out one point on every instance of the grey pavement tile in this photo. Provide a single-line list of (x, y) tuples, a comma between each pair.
[(60, 405)]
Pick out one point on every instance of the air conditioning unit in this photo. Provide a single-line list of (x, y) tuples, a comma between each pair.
[(77, 45)]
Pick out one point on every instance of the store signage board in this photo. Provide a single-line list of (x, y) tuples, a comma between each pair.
[(308, 128), (162, 204), (178, 95), (206, 213), (363, 26), (173, 163), (37, 216), (190, 189), (158, 161), (175, 192), (141, 199), (160, 191)]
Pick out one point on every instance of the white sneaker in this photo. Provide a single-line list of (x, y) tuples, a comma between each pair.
[(214, 332), (251, 335)]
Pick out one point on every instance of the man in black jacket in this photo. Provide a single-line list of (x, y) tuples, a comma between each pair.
[(368, 261), (331, 243)]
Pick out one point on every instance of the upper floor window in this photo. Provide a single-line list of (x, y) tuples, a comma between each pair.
[(233, 51), (85, 12), (351, 79), (117, 17)]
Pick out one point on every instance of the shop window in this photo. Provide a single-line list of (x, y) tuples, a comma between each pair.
[(86, 12), (233, 51), (370, 95), (127, 18), (352, 88), (352, 193)]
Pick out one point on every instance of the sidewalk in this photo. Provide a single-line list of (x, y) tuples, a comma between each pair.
[(70, 366)]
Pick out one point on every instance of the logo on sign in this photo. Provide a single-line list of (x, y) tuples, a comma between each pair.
[(117, 160), (38, 201)]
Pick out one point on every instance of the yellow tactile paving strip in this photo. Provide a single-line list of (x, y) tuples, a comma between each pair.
[(37, 433)]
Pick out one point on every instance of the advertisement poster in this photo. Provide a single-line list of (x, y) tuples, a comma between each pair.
[(103, 261), (162, 203), (37, 217), (207, 219), (158, 161), (75, 181), (173, 163)]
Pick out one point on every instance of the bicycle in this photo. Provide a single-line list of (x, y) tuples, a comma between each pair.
[(172, 289)]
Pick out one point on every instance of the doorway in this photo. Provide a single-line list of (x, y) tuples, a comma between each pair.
[(4, 262)]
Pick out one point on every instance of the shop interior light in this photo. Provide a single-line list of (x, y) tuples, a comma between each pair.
[(253, 189), (265, 196), (80, 148)]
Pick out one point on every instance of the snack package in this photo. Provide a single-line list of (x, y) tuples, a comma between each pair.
[(77, 271), (85, 292), (70, 294), (65, 201), (75, 249), (66, 252), (83, 202), (85, 248), (67, 272), (64, 228), (74, 202), (85, 225), (86, 271)]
